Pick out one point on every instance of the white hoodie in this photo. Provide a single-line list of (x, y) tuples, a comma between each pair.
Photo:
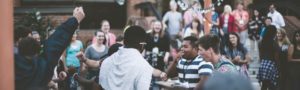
[(125, 70)]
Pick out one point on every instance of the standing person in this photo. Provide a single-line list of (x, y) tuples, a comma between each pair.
[(191, 69), (70, 59), (284, 43), (254, 28), (241, 17), (194, 29), (268, 73), (277, 18), (255, 25), (227, 21), (33, 71), (193, 13), (110, 37), (209, 48), (215, 23), (158, 46), (238, 54), (294, 61), (96, 52), (174, 19)]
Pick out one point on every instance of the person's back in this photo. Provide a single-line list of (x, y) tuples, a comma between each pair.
[(125, 70)]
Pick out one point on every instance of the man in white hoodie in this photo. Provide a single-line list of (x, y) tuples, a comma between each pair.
[(126, 69)]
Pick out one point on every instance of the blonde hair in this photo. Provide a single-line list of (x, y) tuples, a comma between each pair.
[(284, 36), (227, 9)]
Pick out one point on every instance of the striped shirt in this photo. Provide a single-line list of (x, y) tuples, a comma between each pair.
[(191, 70)]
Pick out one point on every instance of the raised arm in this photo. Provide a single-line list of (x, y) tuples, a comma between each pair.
[(60, 39)]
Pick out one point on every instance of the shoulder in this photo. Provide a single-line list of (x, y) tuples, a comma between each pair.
[(227, 68), (78, 42), (89, 48)]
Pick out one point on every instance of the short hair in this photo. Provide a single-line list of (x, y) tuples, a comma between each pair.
[(29, 46), (21, 32), (192, 40), (134, 35), (208, 41), (268, 18)]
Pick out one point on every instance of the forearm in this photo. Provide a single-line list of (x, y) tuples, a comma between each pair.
[(156, 73), (92, 63), (171, 71), (200, 84)]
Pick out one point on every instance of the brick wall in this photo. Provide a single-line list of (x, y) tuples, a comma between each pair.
[(85, 35), (57, 19)]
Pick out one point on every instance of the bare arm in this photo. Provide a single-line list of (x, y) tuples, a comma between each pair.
[(172, 70), (200, 84), (247, 59), (88, 62), (166, 58), (93, 63)]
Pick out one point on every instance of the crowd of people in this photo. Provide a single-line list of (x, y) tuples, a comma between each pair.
[(177, 46)]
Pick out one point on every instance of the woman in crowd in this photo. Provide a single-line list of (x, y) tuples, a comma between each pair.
[(194, 29), (255, 25), (294, 61), (158, 46), (71, 61), (237, 53), (283, 43), (227, 22), (109, 36), (268, 73), (241, 17), (96, 51)]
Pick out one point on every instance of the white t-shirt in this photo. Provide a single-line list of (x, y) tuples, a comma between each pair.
[(125, 70), (277, 19)]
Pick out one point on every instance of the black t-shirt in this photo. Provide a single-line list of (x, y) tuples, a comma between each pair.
[(162, 43)]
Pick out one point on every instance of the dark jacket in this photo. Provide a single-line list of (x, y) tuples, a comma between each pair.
[(36, 73)]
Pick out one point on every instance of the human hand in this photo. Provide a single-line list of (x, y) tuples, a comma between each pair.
[(179, 55), (79, 14), (81, 57), (62, 75), (163, 76)]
